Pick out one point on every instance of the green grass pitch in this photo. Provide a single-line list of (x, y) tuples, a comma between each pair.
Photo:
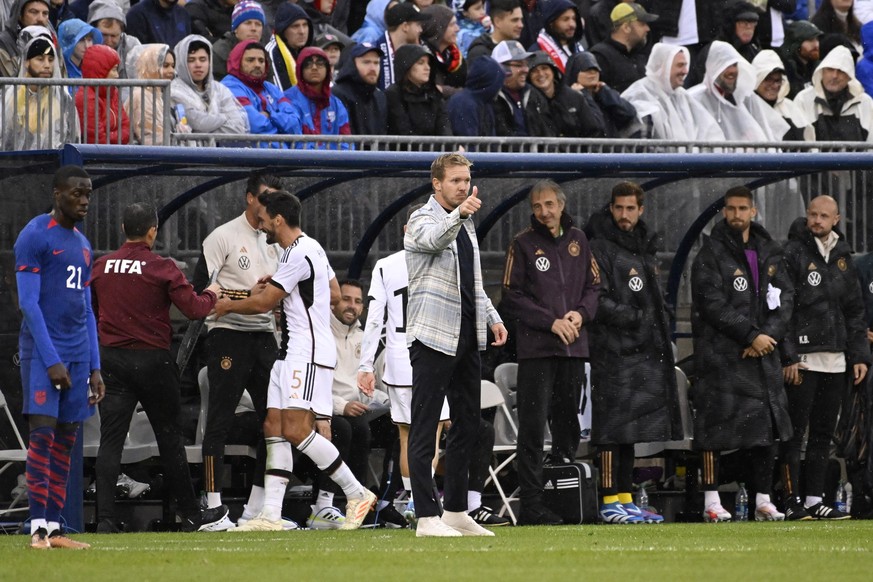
[(743, 552)]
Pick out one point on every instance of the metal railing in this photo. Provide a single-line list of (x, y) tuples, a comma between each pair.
[(41, 113)]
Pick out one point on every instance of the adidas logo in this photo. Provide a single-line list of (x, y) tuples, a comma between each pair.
[(549, 486), (738, 273)]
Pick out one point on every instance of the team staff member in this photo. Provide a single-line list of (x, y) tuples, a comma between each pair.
[(60, 361), (550, 286), (825, 348), (448, 313), (240, 349), (742, 300), (633, 389), (132, 290)]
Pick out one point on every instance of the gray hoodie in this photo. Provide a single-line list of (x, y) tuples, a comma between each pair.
[(214, 110), (101, 9)]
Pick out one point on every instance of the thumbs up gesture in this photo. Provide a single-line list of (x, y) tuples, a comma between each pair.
[(471, 204)]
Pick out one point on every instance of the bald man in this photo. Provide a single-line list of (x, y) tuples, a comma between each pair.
[(825, 348)]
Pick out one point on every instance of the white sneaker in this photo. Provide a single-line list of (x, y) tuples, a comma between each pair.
[(434, 527), (222, 525), (260, 523), (715, 513), (287, 524), (461, 522), (325, 518), (133, 487), (768, 512)]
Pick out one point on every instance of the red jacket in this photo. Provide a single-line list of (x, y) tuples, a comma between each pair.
[(131, 292), (96, 64)]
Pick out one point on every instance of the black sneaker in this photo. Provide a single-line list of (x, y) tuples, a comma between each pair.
[(107, 526), (822, 511), (387, 517), (485, 517), (201, 520), (538, 515), (794, 511)]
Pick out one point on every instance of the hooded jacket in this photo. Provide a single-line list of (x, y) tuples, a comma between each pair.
[(727, 34), (482, 46), (374, 26), (366, 105), (669, 113), (828, 307), (616, 116), (213, 110), (320, 113), (469, 110), (846, 117), (101, 9), (571, 115), (766, 62), (864, 66), (69, 35), (38, 120), (735, 121), (739, 402), (147, 105), (547, 13), (283, 57), (10, 49), (151, 23), (799, 73), (544, 278), (209, 18), (101, 116), (633, 381), (450, 64), (415, 110), (261, 96)]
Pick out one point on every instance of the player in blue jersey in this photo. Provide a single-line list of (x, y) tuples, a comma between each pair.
[(60, 360)]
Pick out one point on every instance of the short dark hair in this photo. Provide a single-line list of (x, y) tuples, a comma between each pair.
[(196, 45), (261, 178), (628, 189), (740, 192), (352, 283), (138, 218), (501, 7), (282, 203), (63, 175)]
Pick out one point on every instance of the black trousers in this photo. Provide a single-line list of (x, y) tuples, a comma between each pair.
[(815, 403), (548, 389), (151, 378), (354, 437), (235, 361), (436, 376)]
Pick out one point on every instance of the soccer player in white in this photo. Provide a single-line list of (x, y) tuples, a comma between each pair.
[(299, 398)]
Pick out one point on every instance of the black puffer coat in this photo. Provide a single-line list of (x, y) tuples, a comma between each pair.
[(633, 381), (737, 400), (828, 306), (415, 110)]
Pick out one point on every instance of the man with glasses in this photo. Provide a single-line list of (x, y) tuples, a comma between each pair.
[(518, 111)]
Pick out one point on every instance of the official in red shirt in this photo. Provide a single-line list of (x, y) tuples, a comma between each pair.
[(132, 290)]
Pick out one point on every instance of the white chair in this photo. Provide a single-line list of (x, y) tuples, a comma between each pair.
[(504, 442), (11, 456)]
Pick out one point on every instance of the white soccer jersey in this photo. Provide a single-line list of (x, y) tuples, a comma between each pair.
[(387, 311), (305, 275)]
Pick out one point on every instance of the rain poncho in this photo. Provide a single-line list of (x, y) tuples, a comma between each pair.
[(41, 119), (854, 119), (147, 104), (214, 110), (766, 62), (670, 113), (70, 33), (735, 120)]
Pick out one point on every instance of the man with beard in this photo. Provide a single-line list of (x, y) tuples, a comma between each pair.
[(742, 300), (299, 397), (633, 386), (740, 25), (506, 24), (356, 86), (404, 23), (107, 17), (23, 13), (622, 57), (269, 111), (562, 32), (160, 21), (800, 54)]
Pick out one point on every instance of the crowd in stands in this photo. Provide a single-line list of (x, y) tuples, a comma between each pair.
[(739, 70)]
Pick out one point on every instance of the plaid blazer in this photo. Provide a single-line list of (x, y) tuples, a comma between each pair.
[(434, 308)]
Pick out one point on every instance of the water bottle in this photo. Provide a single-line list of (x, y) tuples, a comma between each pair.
[(848, 497), (742, 506), (643, 498), (840, 499)]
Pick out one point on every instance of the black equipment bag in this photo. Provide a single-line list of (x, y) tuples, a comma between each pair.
[(570, 490)]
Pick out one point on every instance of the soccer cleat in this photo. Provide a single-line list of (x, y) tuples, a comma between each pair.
[(357, 510), (39, 540), (287, 524), (434, 527), (206, 519), (409, 514), (794, 511), (130, 488), (715, 513), (646, 515), (57, 539), (823, 512), (768, 512), (615, 512), (260, 523), (486, 517), (461, 522), (223, 524), (326, 518), (387, 517)]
